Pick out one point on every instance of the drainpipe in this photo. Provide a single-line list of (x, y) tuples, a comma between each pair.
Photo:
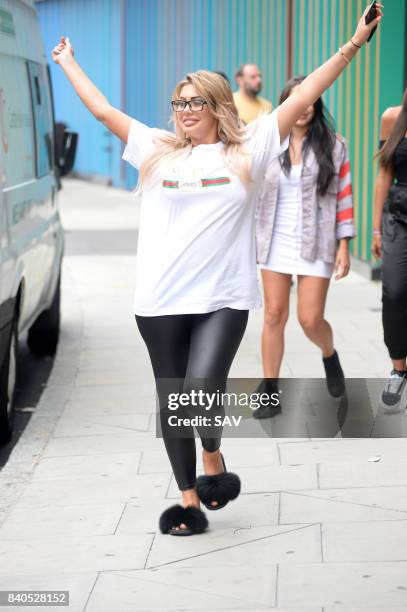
[(123, 74), (289, 39)]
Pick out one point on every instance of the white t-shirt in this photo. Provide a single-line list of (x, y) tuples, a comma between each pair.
[(196, 248)]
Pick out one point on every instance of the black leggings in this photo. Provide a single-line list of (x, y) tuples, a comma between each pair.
[(394, 278), (191, 349)]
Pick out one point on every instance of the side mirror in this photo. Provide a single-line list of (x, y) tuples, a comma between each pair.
[(66, 157)]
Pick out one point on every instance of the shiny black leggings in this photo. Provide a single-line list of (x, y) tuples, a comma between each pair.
[(191, 352), (394, 285)]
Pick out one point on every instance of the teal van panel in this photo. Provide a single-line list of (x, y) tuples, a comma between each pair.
[(19, 32)]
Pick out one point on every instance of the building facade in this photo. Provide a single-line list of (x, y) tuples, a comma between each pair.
[(136, 50)]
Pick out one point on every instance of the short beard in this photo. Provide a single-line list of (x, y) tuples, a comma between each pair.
[(252, 92)]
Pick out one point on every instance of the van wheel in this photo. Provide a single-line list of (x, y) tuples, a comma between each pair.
[(8, 377), (43, 335)]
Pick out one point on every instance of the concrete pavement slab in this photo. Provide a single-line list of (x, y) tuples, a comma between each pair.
[(109, 406), (118, 395), (307, 609), (371, 608), (84, 204), (106, 343), (103, 424), (389, 449), (84, 554), (164, 551), (79, 584), (301, 545), (309, 506), (386, 498), (362, 474), (367, 585), (183, 589), (368, 541), (108, 377), (100, 444), (51, 520), (118, 465), (93, 489), (98, 359)]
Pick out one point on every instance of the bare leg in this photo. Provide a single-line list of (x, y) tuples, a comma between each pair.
[(399, 364), (312, 292), (276, 288)]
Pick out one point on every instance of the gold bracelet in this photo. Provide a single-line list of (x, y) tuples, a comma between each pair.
[(343, 55), (353, 43)]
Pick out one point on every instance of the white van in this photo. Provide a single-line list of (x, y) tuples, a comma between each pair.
[(31, 236)]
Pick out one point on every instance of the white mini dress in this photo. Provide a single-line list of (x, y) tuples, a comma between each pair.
[(284, 255)]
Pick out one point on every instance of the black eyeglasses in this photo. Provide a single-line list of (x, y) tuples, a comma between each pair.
[(196, 104)]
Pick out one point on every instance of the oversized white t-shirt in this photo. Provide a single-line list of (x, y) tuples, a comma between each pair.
[(196, 247)]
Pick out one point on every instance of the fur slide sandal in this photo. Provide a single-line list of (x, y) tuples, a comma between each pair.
[(221, 488), (172, 517)]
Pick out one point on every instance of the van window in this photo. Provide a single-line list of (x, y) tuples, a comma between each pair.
[(42, 117), (16, 123)]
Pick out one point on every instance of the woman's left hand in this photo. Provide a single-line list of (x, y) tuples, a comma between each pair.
[(342, 261), (362, 31)]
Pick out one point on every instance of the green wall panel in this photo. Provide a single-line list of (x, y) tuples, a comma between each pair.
[(162, 40), (372, 82)]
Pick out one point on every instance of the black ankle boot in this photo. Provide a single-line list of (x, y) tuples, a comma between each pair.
[(269, 386), (335, 378)]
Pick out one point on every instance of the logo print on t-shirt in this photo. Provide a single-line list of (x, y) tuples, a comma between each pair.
[(195, 184), (188, 178)]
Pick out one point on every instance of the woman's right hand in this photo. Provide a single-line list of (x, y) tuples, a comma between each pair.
[(376, 248), (63, 50)]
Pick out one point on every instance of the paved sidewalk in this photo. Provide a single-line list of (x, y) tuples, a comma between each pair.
[(318, 527)]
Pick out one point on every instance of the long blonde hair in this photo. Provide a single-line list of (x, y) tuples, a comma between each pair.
[(171, 147)]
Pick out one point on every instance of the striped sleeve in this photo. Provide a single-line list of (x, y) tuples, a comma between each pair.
[(344, 201)]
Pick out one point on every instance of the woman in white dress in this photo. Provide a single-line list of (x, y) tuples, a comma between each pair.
[(196, 265), (308, 213)]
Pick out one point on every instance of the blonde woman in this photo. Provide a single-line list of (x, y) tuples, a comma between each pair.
[(196, 268)]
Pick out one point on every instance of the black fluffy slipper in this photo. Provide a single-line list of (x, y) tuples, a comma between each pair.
[(172, 517), (221, 488)]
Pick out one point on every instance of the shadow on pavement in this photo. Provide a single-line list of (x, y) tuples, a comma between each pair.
[(32, 377)]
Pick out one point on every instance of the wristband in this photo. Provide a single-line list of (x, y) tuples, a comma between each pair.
[(377, 233)]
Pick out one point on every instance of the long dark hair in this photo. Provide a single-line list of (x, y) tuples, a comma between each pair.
[(320, 138), (399, 129)]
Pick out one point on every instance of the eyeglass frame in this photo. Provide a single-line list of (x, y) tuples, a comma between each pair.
[(188, 103)]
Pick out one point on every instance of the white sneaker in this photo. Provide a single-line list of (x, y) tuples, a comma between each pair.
[(393, 389)]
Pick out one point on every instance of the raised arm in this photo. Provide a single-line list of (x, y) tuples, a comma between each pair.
[(318, 81), (384, 180), (115, 121)]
